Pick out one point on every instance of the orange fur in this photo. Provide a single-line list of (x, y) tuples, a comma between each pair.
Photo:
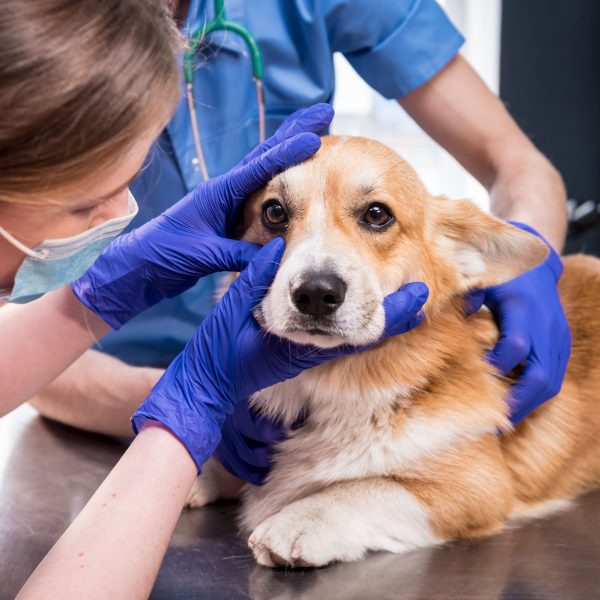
[(555, 453), (472, 487)]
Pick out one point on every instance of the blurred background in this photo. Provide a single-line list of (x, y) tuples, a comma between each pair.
[(543, 59)]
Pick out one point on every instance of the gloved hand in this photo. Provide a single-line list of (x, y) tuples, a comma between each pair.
[(533, 330), (167, 255), (230, 357), (247, 439), (315, 119)]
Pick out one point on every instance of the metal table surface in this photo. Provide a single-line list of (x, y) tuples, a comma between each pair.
[(48, 472)]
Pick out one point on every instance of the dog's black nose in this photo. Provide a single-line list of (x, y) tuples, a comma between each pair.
[(319, 295)]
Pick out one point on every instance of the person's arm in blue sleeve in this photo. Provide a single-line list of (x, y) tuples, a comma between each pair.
[(395, 46), (115, 546)]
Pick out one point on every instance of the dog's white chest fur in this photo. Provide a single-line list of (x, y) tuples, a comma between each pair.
[(328, 496), (347, 435)]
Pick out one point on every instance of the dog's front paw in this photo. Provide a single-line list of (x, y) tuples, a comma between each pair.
[(203, 492), (305, 534)]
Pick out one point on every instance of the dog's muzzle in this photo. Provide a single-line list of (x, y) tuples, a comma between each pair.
[(318, 294)]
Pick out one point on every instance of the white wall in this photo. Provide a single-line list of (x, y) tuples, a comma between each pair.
[(361, 111)]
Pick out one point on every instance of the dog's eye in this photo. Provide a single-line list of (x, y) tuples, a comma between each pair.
[(377, 216), (274, 215)]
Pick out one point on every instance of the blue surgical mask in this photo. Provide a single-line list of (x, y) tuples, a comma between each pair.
[(55, 263)]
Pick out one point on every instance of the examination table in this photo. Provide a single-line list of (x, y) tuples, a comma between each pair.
[(48, 472)]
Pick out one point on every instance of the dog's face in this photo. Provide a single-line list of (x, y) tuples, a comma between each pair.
[(358, 224)]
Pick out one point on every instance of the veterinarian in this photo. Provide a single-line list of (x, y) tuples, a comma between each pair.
[(82, 98), (407, 50)]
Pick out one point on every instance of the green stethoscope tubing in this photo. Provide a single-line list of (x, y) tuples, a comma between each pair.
[(220, 23)]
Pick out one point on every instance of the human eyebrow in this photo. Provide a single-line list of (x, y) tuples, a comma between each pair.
[(100, 200)]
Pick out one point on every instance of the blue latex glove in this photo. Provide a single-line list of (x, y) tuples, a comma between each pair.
[(230, 357), (315, 119), (167, 255), (246, 445), (533, 331)]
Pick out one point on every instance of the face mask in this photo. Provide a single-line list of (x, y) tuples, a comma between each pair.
[(55, 263)]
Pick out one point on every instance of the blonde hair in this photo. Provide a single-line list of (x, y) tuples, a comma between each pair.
[(80, 82)]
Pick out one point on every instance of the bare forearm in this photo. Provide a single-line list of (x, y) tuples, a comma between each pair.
[(97, 393), (530, 190), (465, 117), (115, 546), (41, 339)]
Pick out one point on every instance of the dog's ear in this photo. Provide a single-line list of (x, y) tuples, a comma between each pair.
[(485, 250)]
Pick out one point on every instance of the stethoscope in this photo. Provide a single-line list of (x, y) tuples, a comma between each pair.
[(220, 23)]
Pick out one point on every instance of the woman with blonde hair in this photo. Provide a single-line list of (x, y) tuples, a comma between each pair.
[(82, 97)]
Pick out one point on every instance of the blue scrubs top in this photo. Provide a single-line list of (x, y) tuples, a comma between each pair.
[(394, 45)]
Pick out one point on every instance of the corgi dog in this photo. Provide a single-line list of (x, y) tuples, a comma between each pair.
[(399, 446)]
